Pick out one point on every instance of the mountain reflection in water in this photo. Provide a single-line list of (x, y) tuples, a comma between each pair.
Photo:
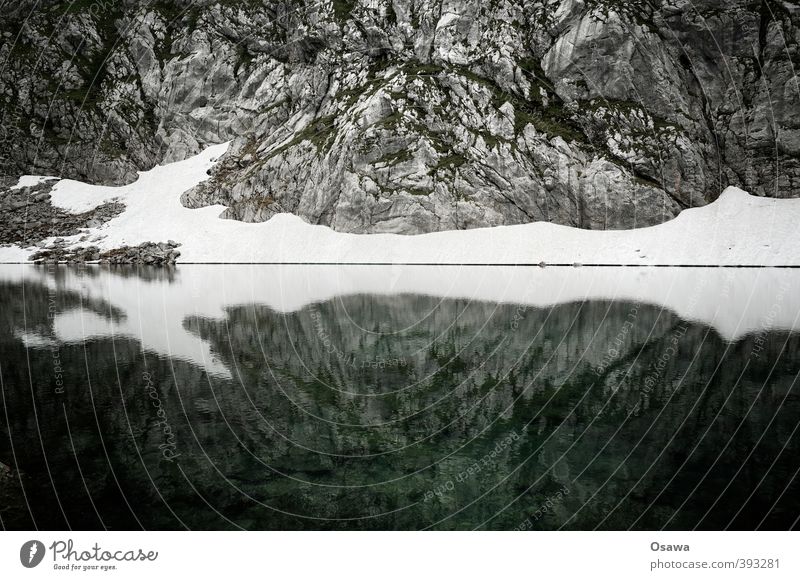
[(399, 398)]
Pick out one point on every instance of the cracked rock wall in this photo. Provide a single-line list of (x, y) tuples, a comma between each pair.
[(413, 116)]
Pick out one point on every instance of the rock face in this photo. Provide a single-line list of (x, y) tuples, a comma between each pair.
[(28, 218), (412, 116)]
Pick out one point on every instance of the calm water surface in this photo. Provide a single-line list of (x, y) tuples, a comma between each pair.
[(391, 398)]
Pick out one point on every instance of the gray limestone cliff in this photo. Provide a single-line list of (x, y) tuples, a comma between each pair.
[(412, 116)]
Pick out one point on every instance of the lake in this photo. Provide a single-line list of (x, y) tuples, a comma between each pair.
[(399, 397)]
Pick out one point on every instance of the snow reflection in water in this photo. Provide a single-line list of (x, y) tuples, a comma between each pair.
[(402, 397)]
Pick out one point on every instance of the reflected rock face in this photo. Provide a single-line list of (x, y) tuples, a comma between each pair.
[(404, 411)]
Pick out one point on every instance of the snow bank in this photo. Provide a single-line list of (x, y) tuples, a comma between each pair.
[(31, 181), (737, 229)]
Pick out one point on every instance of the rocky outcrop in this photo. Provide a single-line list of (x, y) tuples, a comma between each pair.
[(414, 116), (28, 217), (148, 253)]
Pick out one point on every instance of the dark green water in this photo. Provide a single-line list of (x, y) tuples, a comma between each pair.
[(397, 412)]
